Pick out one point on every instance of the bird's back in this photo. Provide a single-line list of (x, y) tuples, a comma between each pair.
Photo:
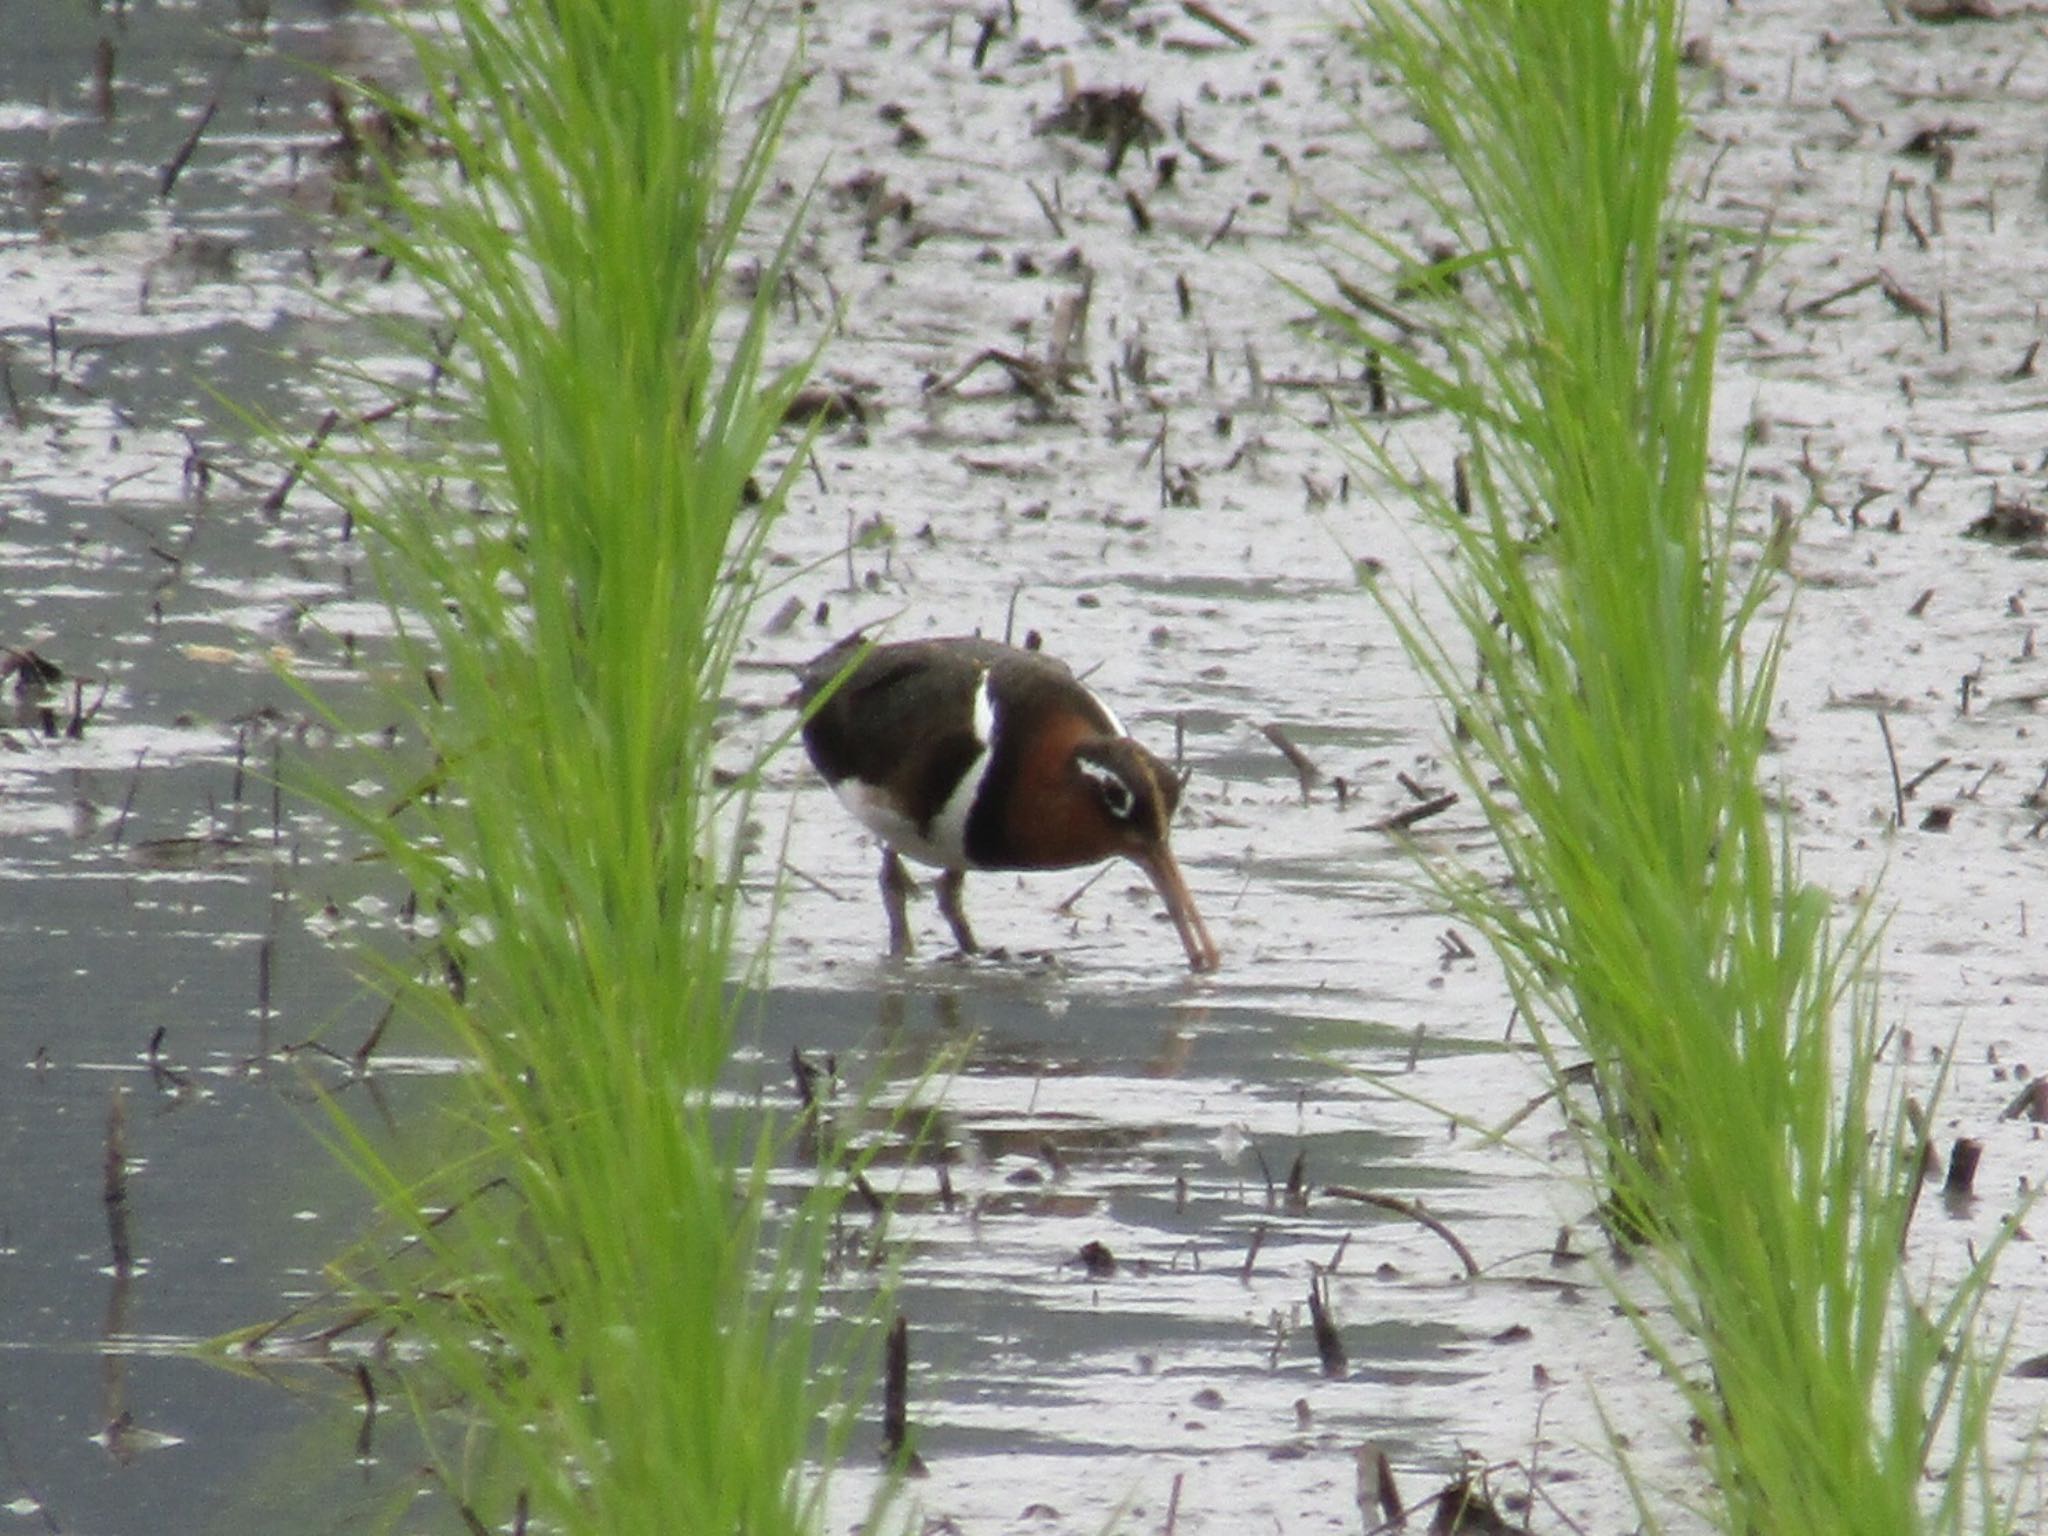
[(915, 699)]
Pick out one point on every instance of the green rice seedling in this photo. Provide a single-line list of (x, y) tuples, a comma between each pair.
[(1654, 922), (619, 1333)]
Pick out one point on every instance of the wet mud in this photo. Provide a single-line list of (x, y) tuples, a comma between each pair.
[(1070, 393)]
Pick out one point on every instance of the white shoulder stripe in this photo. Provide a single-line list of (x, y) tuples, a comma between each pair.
[(984, 710), (947, 836)]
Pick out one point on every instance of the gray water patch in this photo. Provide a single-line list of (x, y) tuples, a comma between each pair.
[(154, 895), (111, 1423), (1115, 1260)]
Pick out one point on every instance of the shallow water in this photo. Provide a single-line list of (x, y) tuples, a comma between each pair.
[(1206, 581)]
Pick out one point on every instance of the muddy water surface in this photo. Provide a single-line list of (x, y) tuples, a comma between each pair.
[(166, 913), (1084, 408)]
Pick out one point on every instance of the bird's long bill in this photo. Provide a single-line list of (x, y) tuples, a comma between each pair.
[(1180, 906)]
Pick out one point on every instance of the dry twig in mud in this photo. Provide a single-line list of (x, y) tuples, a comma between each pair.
[(991, 21), (114, 1186), (1066, 908), (1208, 17), (16, 411), (1069, 330), (1173, 1505), (1903, 301), (81, 715), (1050, 211), (103, 79), (1251, 1253), (1960, 1186), (1923, 1153), (1329, 1347), (1891, 754), (1376, 1486), (366, 1435), (1415, 787), (360, 1058), (1379, 308), (257, 1339), (1296, 1193), (1414, 1212), (1813, 307), (1305, 770), (1914, 783), (273, 504), (161, 1071), (1401, 821), (2031, 1102), (169, 177), (472, 1522), (1027, 373), (896, 1401)]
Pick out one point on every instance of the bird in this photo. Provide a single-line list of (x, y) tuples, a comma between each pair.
[(964, 753)]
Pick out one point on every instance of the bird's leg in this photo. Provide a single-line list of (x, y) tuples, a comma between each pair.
[(956, 916), (896, 885)]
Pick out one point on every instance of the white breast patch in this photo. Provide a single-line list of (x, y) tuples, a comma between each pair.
[(873, 810)]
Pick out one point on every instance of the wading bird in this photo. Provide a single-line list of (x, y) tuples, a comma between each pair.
[(968, 754)]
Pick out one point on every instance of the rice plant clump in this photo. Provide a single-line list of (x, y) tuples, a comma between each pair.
[(569, 554), (1654, 923)]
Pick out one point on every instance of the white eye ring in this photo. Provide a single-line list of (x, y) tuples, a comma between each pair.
[(1116, 794)]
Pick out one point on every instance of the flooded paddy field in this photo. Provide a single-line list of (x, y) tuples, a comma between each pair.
[(1074, 398)]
